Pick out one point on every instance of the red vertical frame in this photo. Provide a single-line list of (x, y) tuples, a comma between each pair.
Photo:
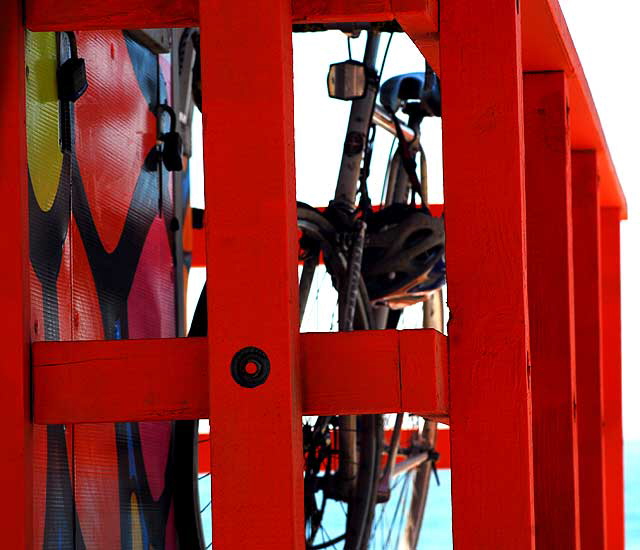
[(15, 459), (252, 280), (612, 375), (586, 260), (551, 310), (490, 401)]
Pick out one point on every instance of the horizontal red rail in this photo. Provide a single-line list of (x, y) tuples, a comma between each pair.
[(59, 15), (442, 446), (166, 379), (198, 256)]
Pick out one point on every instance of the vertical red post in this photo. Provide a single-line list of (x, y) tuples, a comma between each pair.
[(611, 375), (551, 310), (586, 265), (15, 404), (252, 286), (490, 398)]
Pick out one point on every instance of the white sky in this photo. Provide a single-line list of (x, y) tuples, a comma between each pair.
[(607, 39), (608, 43)]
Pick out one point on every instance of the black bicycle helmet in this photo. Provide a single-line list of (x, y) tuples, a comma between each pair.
[(403, 260)]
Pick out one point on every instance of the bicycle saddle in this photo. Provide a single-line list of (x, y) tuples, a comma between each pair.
[(424, 87)]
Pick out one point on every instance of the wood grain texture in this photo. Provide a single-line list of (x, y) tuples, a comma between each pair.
[(337, 11), (163, 379), (15, 402), (587, 283), (489, 384), (551, 310), (119, 381), (252, 285), (424, 373), (56, 15), (612, 375)]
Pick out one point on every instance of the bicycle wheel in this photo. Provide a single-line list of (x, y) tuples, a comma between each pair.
[(341, 453)]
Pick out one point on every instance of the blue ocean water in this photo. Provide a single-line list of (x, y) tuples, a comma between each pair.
[(437, 521), (632, 494)]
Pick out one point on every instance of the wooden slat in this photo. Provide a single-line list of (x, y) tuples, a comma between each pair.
[(424, 373), (586, 265), (15, 459), (118, 381), (61, 15), (612, 375), (551, 310), (490, 399), (252, 284), (143, 380)]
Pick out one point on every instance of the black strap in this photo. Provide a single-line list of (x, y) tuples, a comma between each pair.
[(408, 162)]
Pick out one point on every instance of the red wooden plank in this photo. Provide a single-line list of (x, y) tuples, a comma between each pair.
[(490, 402), (61, 15), (143, 380), (346, 368), (252, 284), (15, 459), (424, 373), (419, 16), (551, 310), (336, 11), (611, 375), (442, 446), (586, 256), (119, 381)]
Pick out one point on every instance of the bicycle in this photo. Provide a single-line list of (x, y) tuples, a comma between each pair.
[(358, 269)]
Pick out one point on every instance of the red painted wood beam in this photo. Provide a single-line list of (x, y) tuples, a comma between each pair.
[(15, 458), (442, 446), (588, 324), (611, 375), (198, 256), (252, 283), (416, 16), (551, 310), (489, 377), (144, 380), (61, 15)]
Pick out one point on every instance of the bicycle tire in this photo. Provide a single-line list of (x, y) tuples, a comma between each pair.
[(362, 503)]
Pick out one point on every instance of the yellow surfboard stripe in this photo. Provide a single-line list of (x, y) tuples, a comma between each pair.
[(43, 143)]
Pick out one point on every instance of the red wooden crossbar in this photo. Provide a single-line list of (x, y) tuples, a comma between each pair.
[(418, 15), (137, 380), (442, 446), (199, 257)]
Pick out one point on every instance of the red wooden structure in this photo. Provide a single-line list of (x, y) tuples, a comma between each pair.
[(531, 380)]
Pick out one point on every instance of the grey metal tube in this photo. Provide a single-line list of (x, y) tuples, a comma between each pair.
[(382, 119), (357, 131)]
